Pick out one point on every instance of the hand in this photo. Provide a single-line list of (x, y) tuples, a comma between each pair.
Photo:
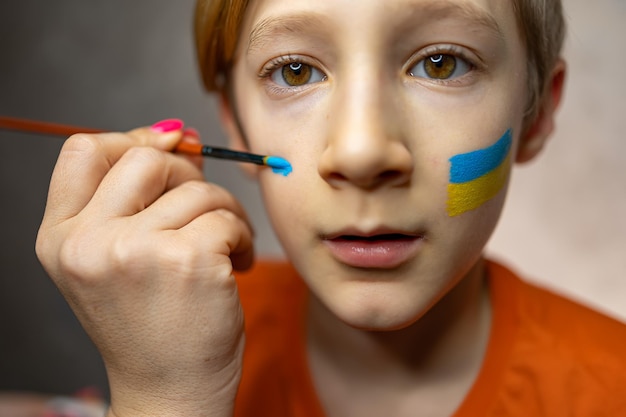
[(143, 249)]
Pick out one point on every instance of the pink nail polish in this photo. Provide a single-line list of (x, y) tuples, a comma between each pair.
[(190, 131), (168, 125)]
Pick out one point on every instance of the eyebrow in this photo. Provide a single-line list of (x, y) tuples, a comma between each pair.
[(264, 31), (441, 9)]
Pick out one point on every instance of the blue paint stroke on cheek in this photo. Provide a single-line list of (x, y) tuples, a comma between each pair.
[(469, 166), (477, 177), (279, 165)]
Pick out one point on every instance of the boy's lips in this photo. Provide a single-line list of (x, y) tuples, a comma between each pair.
[(380, 250)]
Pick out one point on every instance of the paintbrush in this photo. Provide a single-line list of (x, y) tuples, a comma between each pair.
[(279, 165)]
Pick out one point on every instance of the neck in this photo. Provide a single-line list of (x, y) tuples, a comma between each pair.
[(446, 345)]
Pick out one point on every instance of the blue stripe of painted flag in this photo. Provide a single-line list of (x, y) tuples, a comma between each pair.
[(469, 166)]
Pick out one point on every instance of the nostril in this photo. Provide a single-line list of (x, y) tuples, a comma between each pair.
[(391, 175), (392, 178), (389, 178), (336, 177)]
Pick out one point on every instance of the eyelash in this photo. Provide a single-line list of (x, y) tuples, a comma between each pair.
[(452, 50), (265, 74), (275, 64)]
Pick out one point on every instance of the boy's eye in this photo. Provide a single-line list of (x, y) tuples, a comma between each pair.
[(296, 74), (440, 67)]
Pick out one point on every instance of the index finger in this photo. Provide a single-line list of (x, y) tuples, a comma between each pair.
[(84, 161)]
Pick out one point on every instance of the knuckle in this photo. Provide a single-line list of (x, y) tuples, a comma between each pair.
[(186, 260), (42, 248), (215, 225), (145, 155), (202, 188), (226, 216), (89, 262), (81, 143), (74, 260), (181, 257), (130, 254), (223, 278), (211, 195)]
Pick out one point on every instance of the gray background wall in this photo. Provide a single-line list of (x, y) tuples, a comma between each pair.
[(117, 64)]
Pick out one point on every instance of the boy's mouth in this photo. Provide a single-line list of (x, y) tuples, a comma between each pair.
[(378, 251), (376, 238)]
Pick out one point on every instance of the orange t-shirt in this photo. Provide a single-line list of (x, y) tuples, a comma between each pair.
[(547, 356)]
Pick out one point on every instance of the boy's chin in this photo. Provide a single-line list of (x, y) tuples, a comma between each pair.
[(388, 321), (378, 311), (380, 323)]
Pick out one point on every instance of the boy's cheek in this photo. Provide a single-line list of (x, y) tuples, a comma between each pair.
[(478, 176)]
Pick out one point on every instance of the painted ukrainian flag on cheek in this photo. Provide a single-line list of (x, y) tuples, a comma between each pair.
[(476, 177)]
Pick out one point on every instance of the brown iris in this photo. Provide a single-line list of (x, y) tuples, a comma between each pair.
[(297, 74), (440, 67)]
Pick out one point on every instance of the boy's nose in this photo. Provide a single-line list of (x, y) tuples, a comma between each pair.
[(365, 145)]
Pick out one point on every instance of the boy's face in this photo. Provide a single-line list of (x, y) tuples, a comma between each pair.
[(369, 100)]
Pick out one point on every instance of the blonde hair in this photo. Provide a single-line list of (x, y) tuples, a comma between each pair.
[(541, 23)]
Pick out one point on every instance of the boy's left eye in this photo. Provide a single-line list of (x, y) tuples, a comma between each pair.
[(296, 74), (440, 67)]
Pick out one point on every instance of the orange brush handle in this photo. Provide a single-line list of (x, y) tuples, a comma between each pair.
[(47, 128), (35, 126)]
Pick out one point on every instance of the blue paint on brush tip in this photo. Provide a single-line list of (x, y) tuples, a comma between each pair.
[(279, 165)]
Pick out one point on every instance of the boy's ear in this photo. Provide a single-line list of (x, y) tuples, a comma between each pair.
[(542, 127), (236, 140)]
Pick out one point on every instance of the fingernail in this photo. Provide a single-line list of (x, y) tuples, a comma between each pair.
[(190, 131), (168, 125)]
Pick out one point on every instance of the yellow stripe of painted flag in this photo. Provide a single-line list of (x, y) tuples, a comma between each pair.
[(470, 195)]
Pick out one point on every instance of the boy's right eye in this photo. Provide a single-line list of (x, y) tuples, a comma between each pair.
[(296, 74), (440, 67)]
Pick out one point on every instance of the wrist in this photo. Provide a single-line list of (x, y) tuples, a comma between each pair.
[(183, 398)]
